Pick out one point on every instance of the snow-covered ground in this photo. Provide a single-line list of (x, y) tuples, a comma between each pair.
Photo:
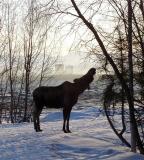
[(91, 138)]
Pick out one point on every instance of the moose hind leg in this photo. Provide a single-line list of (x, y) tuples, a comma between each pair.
[(36, 114), (38, 124), (35, 122)]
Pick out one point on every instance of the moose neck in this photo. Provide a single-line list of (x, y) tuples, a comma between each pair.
[(80, 87)]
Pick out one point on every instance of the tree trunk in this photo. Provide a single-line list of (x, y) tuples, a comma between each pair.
[(10, 66), (130, 61)]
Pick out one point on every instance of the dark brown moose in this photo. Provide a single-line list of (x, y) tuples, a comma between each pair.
[(63, 96)]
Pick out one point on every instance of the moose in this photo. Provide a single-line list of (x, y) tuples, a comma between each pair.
[(63, 96)]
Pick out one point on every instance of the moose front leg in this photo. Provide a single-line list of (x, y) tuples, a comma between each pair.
[(64, 122), (66, 117)]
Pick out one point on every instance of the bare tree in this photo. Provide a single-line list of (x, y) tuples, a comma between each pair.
[(24, 41), (37, 57), (134, 129)]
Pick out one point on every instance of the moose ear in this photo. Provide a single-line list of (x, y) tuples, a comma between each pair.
[(92, 71)]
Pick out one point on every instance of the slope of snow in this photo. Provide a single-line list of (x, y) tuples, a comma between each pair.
[(91, 139)]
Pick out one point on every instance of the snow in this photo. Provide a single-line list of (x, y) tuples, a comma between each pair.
[(91, 138)]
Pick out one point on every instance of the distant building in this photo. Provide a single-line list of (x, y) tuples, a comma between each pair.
[(69, 69), (59, 69)]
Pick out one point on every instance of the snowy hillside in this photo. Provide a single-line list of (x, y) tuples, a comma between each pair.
[(91, 138)]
